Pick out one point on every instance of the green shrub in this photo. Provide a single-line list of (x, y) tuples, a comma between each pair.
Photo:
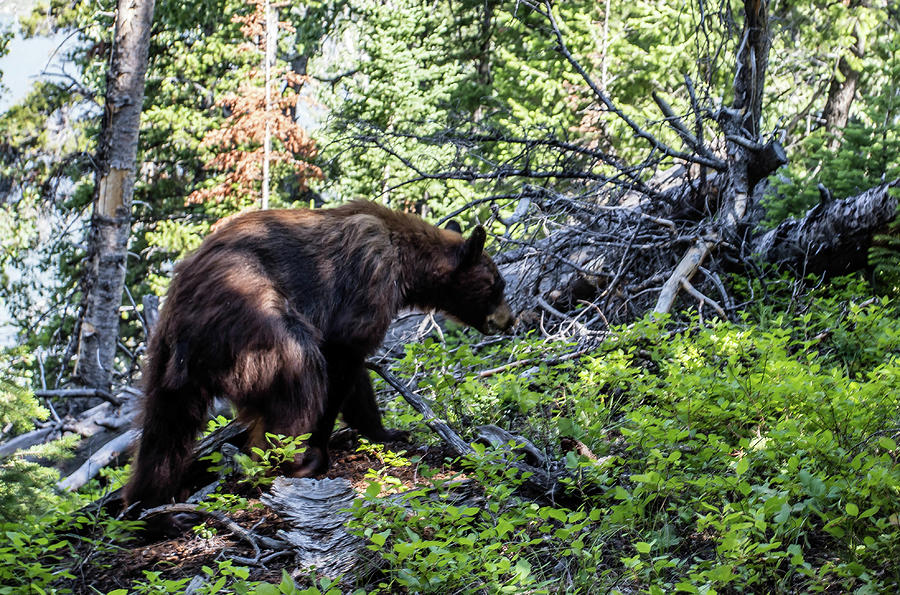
[(759, 455)]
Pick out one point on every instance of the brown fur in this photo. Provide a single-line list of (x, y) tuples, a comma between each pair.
[(277, 311)]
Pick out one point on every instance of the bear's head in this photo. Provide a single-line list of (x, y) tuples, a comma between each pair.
[(474, 293)]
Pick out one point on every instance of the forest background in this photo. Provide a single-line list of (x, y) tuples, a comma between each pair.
[(721, 412)]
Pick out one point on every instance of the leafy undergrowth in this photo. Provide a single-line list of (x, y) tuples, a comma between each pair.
[(754, 456), (109, 557), (751, 456)]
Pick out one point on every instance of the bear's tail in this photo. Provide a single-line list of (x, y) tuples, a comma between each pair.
[(172, 417)]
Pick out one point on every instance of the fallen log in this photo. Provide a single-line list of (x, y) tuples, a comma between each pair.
[(831, 238), (27, 440), (80, 392), (100, 459), (233, 432), (89, 423)]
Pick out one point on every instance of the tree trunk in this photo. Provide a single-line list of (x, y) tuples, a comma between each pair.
[(748, 161), (840, 96), (104, 275), (841, 93), (268, 67), (842, 88)]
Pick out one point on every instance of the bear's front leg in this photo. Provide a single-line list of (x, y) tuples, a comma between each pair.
[(360, 410)]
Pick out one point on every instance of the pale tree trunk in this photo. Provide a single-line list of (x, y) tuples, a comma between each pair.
[(269, 64), (104, 275)]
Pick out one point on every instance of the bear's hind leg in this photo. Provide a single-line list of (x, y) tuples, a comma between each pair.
[(293, 401), (170, 422)]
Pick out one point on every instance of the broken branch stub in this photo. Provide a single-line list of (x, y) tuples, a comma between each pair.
[(317, 512)]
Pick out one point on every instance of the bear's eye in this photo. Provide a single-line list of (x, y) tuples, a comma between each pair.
[(497, 288)]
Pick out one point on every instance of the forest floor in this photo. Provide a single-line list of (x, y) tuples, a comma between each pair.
[(185, 555)]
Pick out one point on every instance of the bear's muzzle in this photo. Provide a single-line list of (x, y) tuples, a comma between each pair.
[(499, 320)]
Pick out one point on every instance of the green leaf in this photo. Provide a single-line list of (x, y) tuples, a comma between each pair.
[(852, 509), (887, 443), (869, 512), (287, 584), (380, 538)]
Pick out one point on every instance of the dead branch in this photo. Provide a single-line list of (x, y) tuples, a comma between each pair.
[(530, 362), (459, 446), (500, 438), (27, 440), (686, 285), (80, 392), (547, 482), (655, 143), (253, 539), (685, 270), (89, 423), (678, 126)]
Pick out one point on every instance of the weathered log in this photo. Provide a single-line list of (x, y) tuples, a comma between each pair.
[(234, 431), (79, 392), (89, 423), (831, 238), (100, 459), (27, 440)]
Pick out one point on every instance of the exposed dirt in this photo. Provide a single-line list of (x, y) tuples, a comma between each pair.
[(185, 556)]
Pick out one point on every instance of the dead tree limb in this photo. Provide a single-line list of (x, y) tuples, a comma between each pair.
[(686, 285), (685, 270), (460, 447), (253, 539), (547, 481), (546, 11), (80, 392), (27, 440), (528, 362)]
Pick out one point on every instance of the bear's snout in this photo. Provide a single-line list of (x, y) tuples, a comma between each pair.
[(500, 319)]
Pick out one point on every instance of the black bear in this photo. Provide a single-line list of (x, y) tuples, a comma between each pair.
[(278, 310)]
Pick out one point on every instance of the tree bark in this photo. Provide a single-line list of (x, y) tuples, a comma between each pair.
[(104, 275), (840, 95), (268, 67)]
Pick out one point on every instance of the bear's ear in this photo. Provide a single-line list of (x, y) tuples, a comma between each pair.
[(453, 225), (472, 248)]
